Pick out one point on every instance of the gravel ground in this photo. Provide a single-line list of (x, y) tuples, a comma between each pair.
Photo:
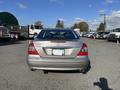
[(103, 75)]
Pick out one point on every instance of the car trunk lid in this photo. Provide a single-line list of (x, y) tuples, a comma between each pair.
[(58, 48)]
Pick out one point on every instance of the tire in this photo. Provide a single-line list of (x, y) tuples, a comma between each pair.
[(87, 69), (45, 72), (108, 39), (32, 69)]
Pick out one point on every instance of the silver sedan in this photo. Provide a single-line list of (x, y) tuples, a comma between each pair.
[(58, 49)]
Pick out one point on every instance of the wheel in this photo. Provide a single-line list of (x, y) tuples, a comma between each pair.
[(84, 71), (108, 39), (32, 69), (45, 72)]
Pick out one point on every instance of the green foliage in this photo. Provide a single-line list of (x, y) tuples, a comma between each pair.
[(76, 25), (116, 30), (38, 25), (83, 26), (101, 27), (8, 19), (60, 24)]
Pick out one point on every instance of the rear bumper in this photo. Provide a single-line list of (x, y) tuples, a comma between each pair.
[(57, 64)]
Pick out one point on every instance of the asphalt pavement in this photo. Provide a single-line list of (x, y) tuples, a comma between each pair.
[(103, 75)]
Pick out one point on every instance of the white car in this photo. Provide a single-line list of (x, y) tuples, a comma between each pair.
[(90, 34), (33, 31), (114, 36)]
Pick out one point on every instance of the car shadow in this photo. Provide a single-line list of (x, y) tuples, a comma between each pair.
[(4, 43), (102, 84), (61, 71)]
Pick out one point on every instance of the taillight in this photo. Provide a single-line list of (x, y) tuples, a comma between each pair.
[(83, 51), (31, 49)]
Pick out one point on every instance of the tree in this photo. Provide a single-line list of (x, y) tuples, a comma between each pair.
[(60, 24), (75, 26), (101, 27), (116, 30), (7, 19), (38, 24), (83, 26)]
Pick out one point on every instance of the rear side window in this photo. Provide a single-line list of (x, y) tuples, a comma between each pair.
[(106, 33), (100, 33), (57, 34)]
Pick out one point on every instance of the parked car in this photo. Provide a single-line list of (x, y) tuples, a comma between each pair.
[(33, 30), (4, 33), (54, 49), (90, 34), (84, 34), (101, 35), (98, 35), (114, 36), (105, 35)]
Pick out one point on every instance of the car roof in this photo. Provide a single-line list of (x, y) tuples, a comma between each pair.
[(58, 29)]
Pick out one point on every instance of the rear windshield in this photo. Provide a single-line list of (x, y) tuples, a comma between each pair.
[(57, 34)]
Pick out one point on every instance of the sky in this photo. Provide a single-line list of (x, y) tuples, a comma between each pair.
[(70, 11)]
